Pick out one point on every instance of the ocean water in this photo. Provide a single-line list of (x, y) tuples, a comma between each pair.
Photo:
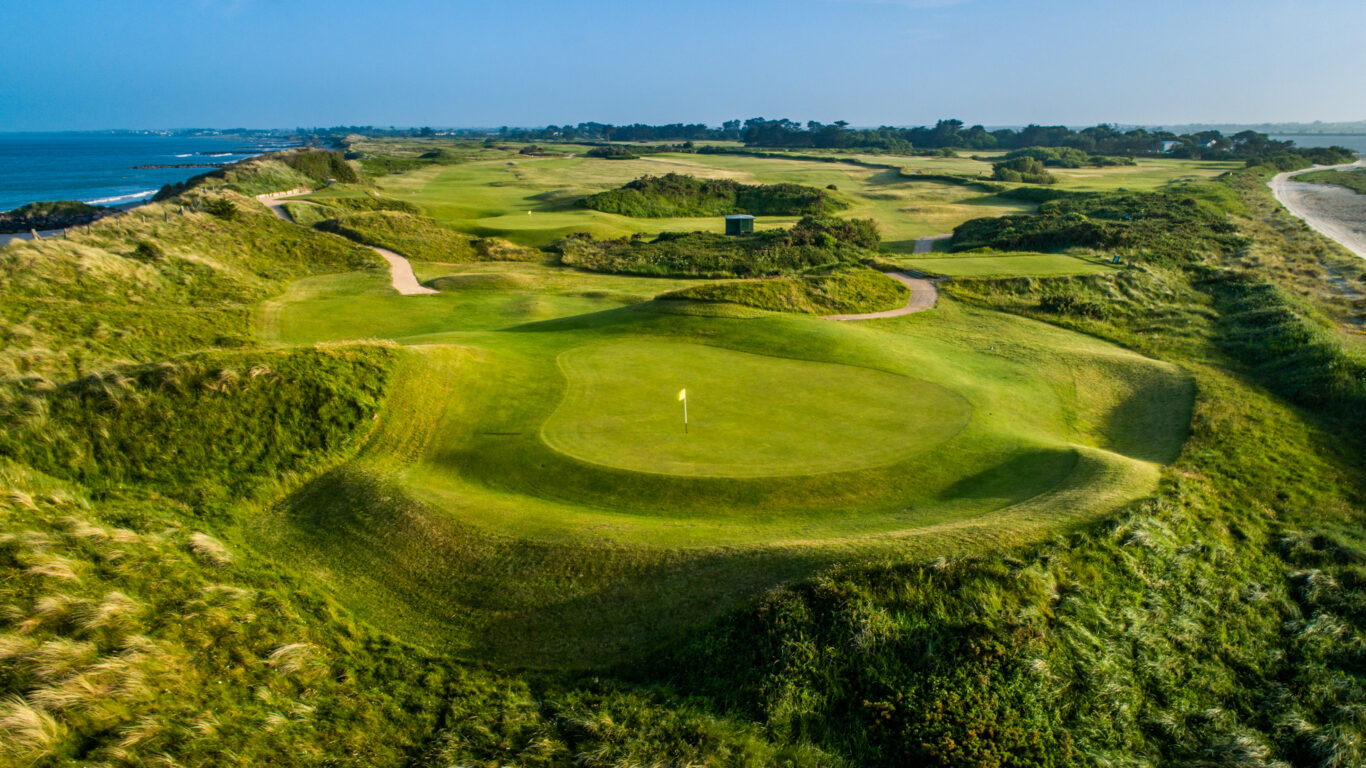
[(99, 167), (1356, 141)]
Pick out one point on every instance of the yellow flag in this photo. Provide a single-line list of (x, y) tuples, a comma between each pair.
[(682, 394)]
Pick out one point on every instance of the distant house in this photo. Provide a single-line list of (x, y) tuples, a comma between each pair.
[(1168, 146), (739, 224), (1209, 143)]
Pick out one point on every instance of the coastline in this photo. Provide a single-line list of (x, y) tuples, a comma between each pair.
[(1335, 212)]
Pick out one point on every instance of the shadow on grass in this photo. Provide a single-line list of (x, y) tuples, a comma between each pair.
[(409, 569), (1043, 468)]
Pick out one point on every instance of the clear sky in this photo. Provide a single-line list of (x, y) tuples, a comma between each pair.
[(92, 64)]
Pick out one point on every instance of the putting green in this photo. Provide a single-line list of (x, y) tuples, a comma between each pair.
[(746, 419)]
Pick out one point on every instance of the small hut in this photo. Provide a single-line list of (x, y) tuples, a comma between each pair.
[(739, 224)]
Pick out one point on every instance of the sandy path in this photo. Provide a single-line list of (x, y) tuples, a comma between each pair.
[(923, 297), (400, 270), (401, 274), (926, 244), (1334, 211)]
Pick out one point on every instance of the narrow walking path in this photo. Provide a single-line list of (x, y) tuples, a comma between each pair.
[(400, 270), (42, 234), (926, 244), (923, 296), (1336, 212)]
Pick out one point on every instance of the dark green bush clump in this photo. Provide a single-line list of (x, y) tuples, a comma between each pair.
[(1024, 169), (51, 215), (1068, 157), (676, 194), (812, 242), (1162, 225)]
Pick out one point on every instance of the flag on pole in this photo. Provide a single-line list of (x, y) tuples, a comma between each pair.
[(683, 396)]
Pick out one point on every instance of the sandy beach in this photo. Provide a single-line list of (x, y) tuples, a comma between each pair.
[(1334, 211)]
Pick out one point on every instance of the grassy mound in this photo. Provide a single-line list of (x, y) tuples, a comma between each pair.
[(811, 243), (421, 238), (840, 292), (1354, 180), (750, 415), (126, 426), (273, 172), (676, 195)]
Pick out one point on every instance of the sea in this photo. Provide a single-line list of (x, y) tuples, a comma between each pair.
[(99, 168), (1354, 141)]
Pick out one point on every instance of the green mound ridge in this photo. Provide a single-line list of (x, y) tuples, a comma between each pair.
[(421, 238), (253, 414), (751, 415), (989, 263), (676, 195), (852, 291), (812, 242), (1354, 180), (51, 215), (273, 172)]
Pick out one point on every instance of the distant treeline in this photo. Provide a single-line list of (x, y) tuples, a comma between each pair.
[(945, 135)]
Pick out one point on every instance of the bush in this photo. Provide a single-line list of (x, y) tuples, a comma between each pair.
[(1025, 169), (704, 254), (676, 194)]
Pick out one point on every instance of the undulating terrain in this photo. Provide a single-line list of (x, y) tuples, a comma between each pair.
[(1100, 504)]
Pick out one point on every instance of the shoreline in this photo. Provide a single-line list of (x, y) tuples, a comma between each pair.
[(1336, 212)]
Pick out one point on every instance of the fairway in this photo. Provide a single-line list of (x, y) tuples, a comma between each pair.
[(751, 416)]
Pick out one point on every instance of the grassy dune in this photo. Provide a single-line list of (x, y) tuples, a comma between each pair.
[(1007, 264)]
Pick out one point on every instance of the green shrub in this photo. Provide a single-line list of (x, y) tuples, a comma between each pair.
[(678, 195), (813, 242), (1025, 169)]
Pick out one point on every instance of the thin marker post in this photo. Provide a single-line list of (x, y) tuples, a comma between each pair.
[(683, 395)]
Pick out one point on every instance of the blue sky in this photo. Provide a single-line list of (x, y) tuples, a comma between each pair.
[(91, 64)]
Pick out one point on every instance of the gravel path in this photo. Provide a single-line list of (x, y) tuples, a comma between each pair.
[(1335, 211), (923, 297), (400, 271)]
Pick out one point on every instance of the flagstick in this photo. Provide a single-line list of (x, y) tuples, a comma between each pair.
[(685, 415)]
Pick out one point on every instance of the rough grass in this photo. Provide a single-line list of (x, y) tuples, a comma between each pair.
[(853, 291), (421, 238), (1354, 180), (1007, 264)]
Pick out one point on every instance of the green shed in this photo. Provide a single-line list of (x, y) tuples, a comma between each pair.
[(739, 224)]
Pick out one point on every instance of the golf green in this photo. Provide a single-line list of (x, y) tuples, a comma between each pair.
[(749, 415)]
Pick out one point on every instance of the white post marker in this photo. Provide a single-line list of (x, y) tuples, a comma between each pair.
[(683, 395)]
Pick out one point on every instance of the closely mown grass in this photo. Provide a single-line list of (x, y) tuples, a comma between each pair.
[(844, 291)]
